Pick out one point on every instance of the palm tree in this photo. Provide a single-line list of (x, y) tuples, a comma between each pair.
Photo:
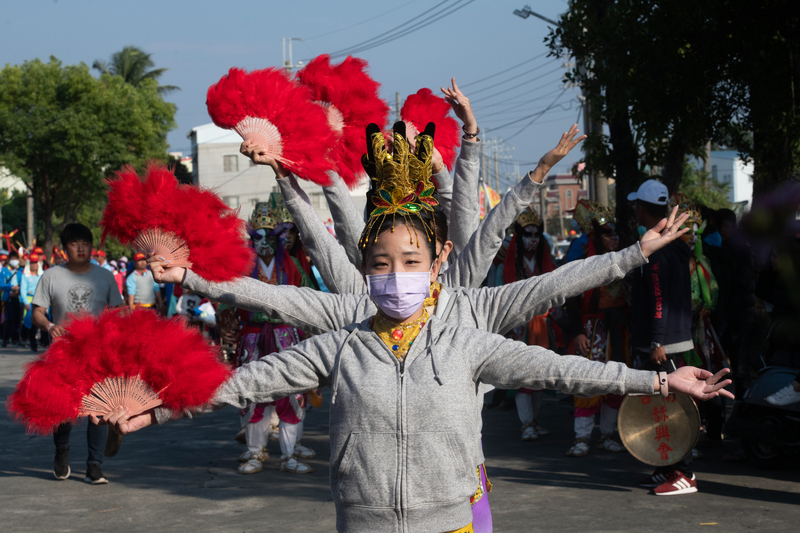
[(132, 65)]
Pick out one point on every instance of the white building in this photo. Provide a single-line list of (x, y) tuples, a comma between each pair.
[(729, 169), (218, 165), (10, 182)]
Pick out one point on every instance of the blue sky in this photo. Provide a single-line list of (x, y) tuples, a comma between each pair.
[(198, 41)]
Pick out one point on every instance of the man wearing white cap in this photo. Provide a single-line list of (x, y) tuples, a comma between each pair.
[(661, 319)]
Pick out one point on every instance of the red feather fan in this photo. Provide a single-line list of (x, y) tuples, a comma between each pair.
[(424, 107), (267, 107), (167, 355), (351, 99), (213, 232)]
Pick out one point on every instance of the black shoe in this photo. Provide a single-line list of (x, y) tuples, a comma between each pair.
[(94, 475), (61, 464)]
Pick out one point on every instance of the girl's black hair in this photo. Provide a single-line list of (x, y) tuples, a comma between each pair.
[(417, 224)]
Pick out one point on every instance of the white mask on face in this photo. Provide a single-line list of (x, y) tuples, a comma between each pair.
[(262, 243), (14, 263), (399, 294), (530, 239)]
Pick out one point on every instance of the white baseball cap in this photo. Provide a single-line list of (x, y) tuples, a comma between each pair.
[(652, 192)]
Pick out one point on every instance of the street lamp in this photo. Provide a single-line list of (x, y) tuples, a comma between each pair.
[(526, 12)]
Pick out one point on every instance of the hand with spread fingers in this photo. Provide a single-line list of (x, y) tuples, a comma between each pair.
[(462, 108), (698, 383), (565, 145), (663, 233), (120, 420)]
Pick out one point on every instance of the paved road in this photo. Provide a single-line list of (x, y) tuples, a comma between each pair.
[(181, 478)]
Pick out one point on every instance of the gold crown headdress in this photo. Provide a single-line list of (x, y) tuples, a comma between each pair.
[(401, 182), (529, 217), (685, 205), (588, 210), (270, 214)]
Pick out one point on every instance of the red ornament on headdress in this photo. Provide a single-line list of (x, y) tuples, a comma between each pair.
[(424, 107), (187, 218), (352, 101), (269, 109), (166, 362)]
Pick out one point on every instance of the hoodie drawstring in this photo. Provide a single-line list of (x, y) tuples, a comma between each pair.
[(433, 357), (337, 364)]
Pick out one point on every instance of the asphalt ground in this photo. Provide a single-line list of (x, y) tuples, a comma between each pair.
[(182, 478)]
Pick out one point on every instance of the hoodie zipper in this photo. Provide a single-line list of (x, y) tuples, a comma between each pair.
[(402, 445)]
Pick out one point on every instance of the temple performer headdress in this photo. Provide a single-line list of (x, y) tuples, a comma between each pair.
[(588, 210), (401, 182)]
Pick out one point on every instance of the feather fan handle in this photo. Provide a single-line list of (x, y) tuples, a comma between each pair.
[(133, 394)]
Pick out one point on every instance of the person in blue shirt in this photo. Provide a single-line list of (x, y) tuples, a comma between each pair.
[(27, 288), (142, 289), (9, 283)]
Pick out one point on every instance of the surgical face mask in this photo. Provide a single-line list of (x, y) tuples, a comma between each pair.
[(14, 263), (399, 294)]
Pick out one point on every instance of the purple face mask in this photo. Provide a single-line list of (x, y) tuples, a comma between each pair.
[(399, 294)]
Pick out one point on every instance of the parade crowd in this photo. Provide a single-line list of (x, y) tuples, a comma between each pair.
[(465, 313)]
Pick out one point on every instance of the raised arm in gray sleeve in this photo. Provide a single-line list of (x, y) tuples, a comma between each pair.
[(515, 304), (444, 187), (465, 208), (338, 273), (509, 364), (301, 307), (470, 267), (347, 220)]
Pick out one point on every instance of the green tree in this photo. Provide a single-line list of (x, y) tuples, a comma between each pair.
[(134, 66), (63, 131), (702, 189)]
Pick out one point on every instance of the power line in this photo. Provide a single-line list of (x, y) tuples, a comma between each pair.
[(514, 87), (537, 115), (518, 107), (515, 78), (362, 22), (562, 106), (436, 17), (516, 102), (503, 71)]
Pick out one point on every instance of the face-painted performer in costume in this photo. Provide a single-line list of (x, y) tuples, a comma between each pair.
[(260, 335), (599, 323), (528, 255)]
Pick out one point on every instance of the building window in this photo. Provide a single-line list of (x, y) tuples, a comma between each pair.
[(253, 201), (569, 198), (231, 201), (230, 163), (714, 171), (726, 178)]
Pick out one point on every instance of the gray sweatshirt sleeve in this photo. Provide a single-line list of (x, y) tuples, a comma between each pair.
[(470, 267), (465, 209), (299, 368), (301, 307), (511, 305), (348, 222), (509, 364), (444, 186), (338, 273)]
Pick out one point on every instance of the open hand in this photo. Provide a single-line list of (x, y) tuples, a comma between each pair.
[(565, 145), (583, 345), (698, 383), (663, 233), (461, 106), (257, 154), (122, 422), (163, 272)]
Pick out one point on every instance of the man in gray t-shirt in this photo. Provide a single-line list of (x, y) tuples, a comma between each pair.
[(76, 286)]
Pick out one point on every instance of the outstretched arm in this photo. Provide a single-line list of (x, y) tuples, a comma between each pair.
[(348, 222)]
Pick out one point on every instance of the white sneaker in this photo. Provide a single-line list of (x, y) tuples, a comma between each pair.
[(540, 430), (290, 464), (253, 466), (610, 445), (263, 455), (785, 396), (529, 433), (579, 449), (303, 452)]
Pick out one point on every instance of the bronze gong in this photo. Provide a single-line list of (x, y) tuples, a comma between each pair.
[(659, 431)]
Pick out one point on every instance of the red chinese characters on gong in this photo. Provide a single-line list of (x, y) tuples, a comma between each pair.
[(662, 436)]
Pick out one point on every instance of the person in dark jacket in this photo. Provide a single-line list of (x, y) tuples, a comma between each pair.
[(661, 319)]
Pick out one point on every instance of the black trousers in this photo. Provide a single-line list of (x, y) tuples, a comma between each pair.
[(13, 314)]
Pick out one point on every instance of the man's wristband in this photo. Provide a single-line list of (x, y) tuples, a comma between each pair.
[(662, 384), (51, 326)]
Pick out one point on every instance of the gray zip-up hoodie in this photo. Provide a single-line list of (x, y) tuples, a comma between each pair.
[(403, 446)]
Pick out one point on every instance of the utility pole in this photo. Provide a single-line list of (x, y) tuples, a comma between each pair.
[(289, 64), (397, 107), (496, 172), (543, 204)]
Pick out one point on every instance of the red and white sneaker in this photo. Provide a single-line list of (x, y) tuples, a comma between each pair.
[(677, 483), (653, 481)]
